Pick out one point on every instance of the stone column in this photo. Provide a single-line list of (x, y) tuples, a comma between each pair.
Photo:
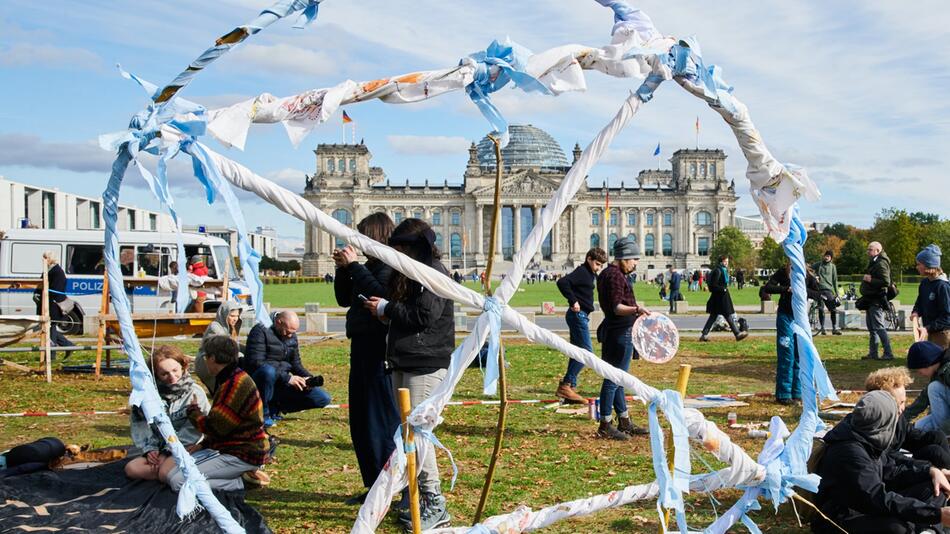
[(517, 223), (556, 236), (623, 224), (499, 255), (641, 239), (690, 246), (536, 212), (658, 239), (308, 238), (479, 230), (572, 231)]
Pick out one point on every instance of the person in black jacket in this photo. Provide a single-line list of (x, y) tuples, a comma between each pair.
[(863, 489), (787, 386), (272, 358), (720, 303), (373, 414), (56, 278), (419, 347), (578, 288)]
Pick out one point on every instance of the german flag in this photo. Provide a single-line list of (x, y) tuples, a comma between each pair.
[(346, 118)]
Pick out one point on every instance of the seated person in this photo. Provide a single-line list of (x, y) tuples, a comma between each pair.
[(178, 390), (272, 357), (858, 493), (931, 362), (234, 439), (227, 322), (928, 445)]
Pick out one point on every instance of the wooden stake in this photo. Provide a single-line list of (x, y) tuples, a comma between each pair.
[(46, 323), (101, 333), (682, 379), (408, 439)]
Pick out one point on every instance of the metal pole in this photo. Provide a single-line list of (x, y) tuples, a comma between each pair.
[(47, 357), (408, 437)]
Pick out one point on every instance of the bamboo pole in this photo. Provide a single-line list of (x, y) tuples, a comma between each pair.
[(44, 307), (101, 333), (409, 444), (502, 378), (682, 379)]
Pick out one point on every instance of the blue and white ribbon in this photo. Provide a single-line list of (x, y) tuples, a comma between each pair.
[(672, 485), (492, 309)]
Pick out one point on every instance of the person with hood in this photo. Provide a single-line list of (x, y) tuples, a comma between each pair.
[(827, 275), (418, 348), (227, 322), (787, 386), (932, 362), (874, 296), (932, 308), (863, 489), (373, 414), (928, 445), (720, 302)]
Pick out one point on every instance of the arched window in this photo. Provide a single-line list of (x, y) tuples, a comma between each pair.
[(456, 216), (702, 246), (650, 245), (344, 217), (352, 164), (417, 213), (631, 218), (595, 217), (704, 218), (702, 169), (614, 217), (330, 165), (398, 216), (650, 218), (611, 239), (456, 245), (668, 218), (712, 170), (341, 165), (438, 241), (667, 244), (633, 237), (692, 169), (594, 240), (437, 218)]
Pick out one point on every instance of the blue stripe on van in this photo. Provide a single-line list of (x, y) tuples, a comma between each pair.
[(87, 286)]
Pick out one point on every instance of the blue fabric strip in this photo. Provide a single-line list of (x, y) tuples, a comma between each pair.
[(672, 485), (492, 308)]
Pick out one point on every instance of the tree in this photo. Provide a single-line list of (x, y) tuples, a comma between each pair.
[(815, 247), (939, 234), (733, 243), (834, 244), (841, 230), (853, 257), (922, 219), (771, 254), (899, 235)]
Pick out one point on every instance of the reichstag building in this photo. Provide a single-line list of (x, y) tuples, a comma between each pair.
[(673, 214)]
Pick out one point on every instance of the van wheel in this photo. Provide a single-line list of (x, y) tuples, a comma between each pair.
[(71, 324)]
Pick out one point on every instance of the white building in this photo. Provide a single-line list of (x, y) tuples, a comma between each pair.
[(28, 206), (263, 240)]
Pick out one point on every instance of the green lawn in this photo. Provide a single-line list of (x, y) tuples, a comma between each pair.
[(296, 295), (548, 457)]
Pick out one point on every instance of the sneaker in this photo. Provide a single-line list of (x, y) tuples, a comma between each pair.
[(255, 479), (359, 498), (822, 332), (432, 513), (888, 357), (568, 395), (269, 422), (607, 430), (836, 332), (627, 427), (870, 357), (704, 338), (742, 335)]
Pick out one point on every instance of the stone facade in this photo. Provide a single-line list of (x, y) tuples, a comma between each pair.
[(673, 214)]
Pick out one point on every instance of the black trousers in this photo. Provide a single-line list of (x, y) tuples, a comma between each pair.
[(882, 524), (827, 300), (373, 415), (712, 320)]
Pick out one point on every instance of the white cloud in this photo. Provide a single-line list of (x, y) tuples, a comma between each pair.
[(428, 145), (283, 59), (33, 151), (292, 179), (31, 55)]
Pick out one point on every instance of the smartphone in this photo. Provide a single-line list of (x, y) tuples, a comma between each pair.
[(362, 297)]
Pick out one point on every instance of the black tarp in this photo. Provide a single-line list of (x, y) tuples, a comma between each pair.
[(102, 499)]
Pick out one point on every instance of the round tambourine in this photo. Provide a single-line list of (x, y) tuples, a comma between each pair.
[(656, 338)]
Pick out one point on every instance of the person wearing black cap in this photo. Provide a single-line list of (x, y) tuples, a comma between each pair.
[(931, 361), (865, 490), (932, 308), (827, 275), (615, 334), (720, 302), (418, 348)]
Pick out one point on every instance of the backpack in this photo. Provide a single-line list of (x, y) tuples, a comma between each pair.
[(892, 291)]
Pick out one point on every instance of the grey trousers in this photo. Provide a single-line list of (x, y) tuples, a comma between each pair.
[(876, 330), (420, 387), (223, 471)]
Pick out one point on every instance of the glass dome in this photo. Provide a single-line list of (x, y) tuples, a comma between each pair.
[(527, 147)]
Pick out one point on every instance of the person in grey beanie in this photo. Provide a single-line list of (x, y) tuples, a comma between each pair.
[(931, 314)]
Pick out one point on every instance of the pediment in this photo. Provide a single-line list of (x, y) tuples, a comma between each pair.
[(525, 183)]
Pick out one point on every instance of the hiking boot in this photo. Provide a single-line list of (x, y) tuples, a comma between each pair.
[(822, 332), (836, 332), (704, 338), (627, 427), (742, 335), (432, 513), (870, 357), (607, 430), (568, 395), (888, 357)]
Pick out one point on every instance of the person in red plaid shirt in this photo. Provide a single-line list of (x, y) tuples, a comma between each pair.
[(620, 310)]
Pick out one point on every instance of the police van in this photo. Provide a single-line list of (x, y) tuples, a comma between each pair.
[(143, 256)]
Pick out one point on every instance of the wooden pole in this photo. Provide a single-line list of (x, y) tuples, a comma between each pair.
[(682, 379), (502, 377), (408, 439), (46, 323), (101, 333)]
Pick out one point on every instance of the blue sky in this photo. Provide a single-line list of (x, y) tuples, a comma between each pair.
[(855, 91)]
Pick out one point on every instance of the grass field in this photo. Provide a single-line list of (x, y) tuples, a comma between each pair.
[(296, 295), (548, 457)]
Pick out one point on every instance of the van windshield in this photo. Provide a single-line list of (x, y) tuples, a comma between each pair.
[(222, 253)]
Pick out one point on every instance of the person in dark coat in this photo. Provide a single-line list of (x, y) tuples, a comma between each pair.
[(873, 299), (56, 278), (272, 358), (863, 489), (373, 414), (720, 302)]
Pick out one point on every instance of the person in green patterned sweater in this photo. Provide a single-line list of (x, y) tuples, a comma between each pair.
[(235, 442)]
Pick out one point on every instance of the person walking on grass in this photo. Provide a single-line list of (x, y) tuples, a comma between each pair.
[(931, 314), (827, 275), (578, 288), (615, 334), (873, 289), (720, 302), (676, 281)]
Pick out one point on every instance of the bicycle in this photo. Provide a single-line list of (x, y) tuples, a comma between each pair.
[(813, 315), (891, 317)]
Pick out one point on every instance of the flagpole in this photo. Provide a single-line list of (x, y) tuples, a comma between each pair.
[(697, 133), (354, 132)]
